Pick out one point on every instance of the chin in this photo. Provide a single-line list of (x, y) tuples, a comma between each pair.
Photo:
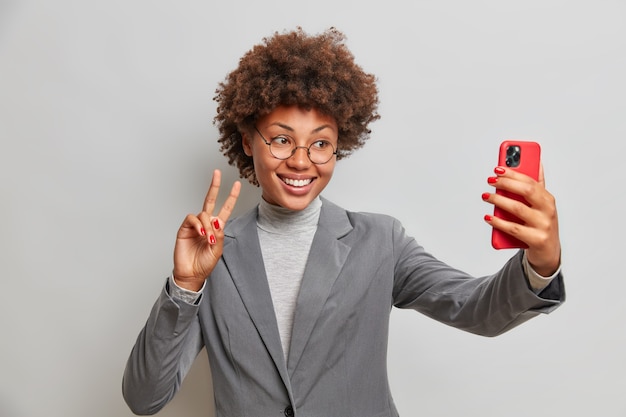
[(291, 203)]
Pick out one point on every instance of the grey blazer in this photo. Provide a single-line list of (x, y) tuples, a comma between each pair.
[(359, 266)]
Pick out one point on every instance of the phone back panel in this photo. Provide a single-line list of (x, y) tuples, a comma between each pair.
[(529, 162)]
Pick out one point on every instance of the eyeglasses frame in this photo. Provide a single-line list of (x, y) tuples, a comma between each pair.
[(293, 151)]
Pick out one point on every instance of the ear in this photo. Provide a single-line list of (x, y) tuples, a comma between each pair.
[(245, 142)]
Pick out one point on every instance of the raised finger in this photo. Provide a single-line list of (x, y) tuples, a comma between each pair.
[(211, 196), (229, 203)]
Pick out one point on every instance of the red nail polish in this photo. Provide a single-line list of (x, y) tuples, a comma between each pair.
[(216, 224), (485, 196), (488, 218), (212, 240), (492, 180), (499, 170), (203, 232)]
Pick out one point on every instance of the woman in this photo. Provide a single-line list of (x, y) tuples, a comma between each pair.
[(292, 299)]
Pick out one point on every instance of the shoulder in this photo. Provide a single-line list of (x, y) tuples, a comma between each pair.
[(358, 220), (366, 231)]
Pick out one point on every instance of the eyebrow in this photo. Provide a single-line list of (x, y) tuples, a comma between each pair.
[(289, 128)]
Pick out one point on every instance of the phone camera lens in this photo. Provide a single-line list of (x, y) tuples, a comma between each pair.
[(513, 154)]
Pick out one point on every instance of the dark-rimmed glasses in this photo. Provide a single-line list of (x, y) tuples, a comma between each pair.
[(283, 147)]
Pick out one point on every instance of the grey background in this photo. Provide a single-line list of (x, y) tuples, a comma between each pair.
[(107, 143)]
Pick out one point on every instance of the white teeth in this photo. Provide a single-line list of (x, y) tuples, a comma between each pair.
[(296, 183)]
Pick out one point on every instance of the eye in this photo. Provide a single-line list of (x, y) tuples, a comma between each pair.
[(321, 145), (281, 141)]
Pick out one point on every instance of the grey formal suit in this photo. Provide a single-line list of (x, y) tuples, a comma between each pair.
[(359, 266)]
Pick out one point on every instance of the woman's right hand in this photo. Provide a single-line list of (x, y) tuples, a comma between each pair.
[(200, 239)]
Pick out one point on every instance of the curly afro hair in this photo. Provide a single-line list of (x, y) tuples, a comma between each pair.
[(295, 68)]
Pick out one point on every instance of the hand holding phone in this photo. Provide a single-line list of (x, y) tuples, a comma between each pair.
[(524, 157)]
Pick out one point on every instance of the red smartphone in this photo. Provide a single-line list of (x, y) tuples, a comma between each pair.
[(525, 157)]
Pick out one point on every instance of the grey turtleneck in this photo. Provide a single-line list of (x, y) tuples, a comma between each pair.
[(285, 237)]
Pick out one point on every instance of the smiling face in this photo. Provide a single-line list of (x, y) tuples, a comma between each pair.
[(293, 182)]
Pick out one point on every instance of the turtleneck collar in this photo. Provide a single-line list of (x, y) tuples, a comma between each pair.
[(279, 220)]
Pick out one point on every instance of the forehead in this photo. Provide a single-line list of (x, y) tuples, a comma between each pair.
[(298, 118)]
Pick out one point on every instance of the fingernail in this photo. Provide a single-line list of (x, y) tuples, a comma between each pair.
[(499, 170), (216, 224), (203, 232), (212, 240), (492, 180), (485, 196), (488, 218)]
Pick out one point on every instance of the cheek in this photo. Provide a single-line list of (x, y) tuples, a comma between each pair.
[(327, 170), (263, 167)]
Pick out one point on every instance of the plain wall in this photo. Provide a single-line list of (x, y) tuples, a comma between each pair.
[(107, 142)]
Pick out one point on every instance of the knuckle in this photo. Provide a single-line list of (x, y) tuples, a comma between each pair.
[(515, 229), (190, 219), (518, 209), (228, 206), (528, 190), (541, 240), (551, 207)]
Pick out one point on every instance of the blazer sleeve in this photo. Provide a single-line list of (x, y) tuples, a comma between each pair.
[(488, 305), (163, 354)]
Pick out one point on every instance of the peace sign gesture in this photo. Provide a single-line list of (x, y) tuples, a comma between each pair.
[(200, 239)]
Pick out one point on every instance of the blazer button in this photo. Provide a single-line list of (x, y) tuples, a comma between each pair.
[(289, 411)]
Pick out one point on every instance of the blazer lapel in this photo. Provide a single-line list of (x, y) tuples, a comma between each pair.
[(326, 258), (243, 258)]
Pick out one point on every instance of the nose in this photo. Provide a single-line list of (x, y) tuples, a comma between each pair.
[(299, 160)]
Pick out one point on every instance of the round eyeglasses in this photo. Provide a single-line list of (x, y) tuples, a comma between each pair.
[(283, 147)]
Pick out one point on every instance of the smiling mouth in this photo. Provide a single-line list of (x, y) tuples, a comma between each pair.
[(297, 183)]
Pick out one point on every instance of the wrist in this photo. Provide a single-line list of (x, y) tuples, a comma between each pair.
[(546, 268), (188, 284)]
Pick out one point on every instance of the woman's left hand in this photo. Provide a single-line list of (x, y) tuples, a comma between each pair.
[(540, 230)]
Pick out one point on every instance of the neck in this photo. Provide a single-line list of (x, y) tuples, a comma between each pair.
[(279, 220)]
